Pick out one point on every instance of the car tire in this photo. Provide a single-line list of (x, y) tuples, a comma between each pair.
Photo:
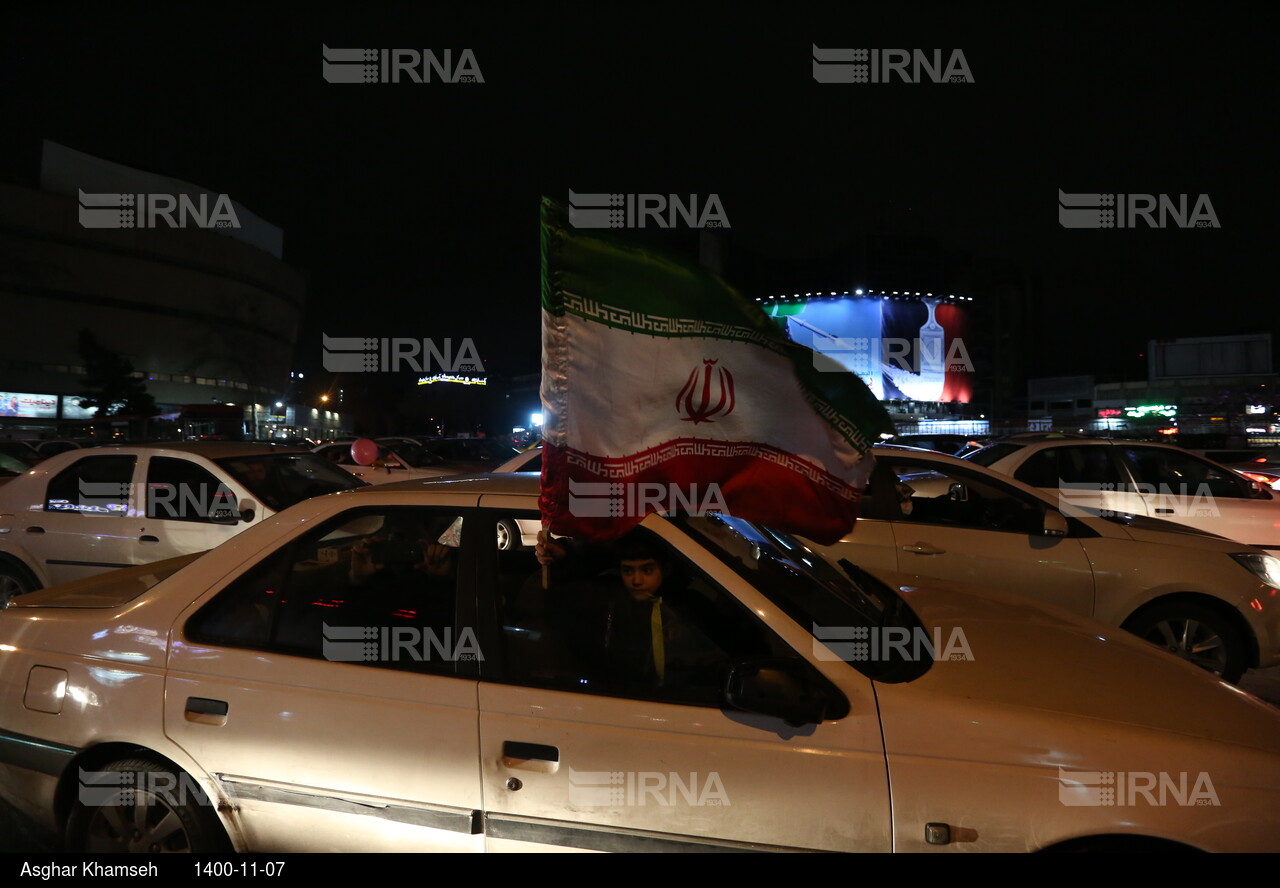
[(508, 536), (140, 805), (1195, 633), (14, 581)]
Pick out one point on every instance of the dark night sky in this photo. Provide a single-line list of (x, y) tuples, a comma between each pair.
[(414, 207)]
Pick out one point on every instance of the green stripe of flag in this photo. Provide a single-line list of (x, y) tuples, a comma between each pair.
[(643, 290)]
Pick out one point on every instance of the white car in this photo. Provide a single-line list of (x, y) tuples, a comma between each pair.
[(370, 673), (1135, 478), (1205, 598), (89, 510)]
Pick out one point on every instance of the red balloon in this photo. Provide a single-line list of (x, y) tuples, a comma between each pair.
[(364, 451)]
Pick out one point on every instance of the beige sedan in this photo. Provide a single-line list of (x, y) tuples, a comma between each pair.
[(369, 672)]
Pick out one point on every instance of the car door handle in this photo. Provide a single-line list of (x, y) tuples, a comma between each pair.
[(206, 711), (923, 549), (35, 529), (534, 752), (148, 538), (1164, 511)]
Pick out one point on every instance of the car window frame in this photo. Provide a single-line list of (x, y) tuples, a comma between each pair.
[(496, 670), (465, 590)]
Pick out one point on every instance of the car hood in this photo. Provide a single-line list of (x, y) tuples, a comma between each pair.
[(1155, 530), (110, 589), (1032, 657)]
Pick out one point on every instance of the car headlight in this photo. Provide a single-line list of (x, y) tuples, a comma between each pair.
[(1264, 567)]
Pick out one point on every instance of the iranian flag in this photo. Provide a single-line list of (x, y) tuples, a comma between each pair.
[(663, 389)]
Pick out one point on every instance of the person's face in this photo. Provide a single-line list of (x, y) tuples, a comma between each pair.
[(642, 577)]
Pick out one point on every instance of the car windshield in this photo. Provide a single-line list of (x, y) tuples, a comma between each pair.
[(281, 480), (835, 606)]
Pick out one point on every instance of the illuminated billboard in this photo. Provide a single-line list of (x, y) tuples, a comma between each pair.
[(903, 347), (28, 405)]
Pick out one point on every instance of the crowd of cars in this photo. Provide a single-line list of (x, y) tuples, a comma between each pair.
[(272, 695)]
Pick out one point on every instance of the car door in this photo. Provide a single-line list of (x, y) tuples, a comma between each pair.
[(958, 525), (184, 508), (572, 757), (871, 544), (1088, 477), (1183, 488), (84, 522), (329, 687)]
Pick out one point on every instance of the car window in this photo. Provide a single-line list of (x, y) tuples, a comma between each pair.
[(371, 586), (94, 485), (835, 605), (1173, 473), (586, 632), (180, 490), (280, 480), (932, 494), (1051, 467)]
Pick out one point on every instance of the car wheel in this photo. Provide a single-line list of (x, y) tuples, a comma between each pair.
[(139, 805), (1194, 633), (14, 582), (508, 536)]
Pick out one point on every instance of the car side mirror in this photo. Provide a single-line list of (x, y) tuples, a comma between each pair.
[(957, 492), (784, 689), (1055, 523), (248, 509)]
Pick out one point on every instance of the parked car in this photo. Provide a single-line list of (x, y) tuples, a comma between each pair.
[(1135, 478), (86, 511), (275, 695), (1207, 599)]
